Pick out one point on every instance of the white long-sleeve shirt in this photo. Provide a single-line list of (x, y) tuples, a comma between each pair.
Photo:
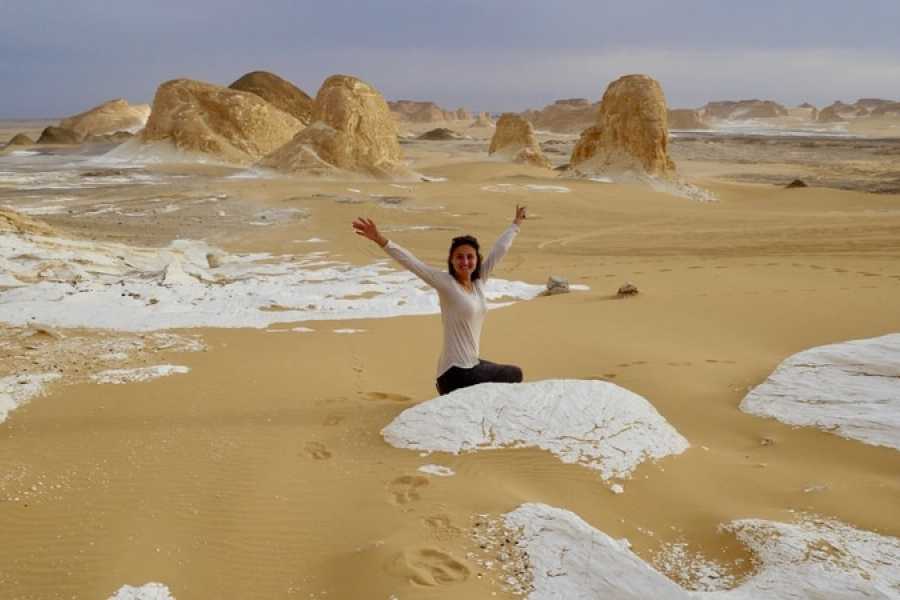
[(462, 312)]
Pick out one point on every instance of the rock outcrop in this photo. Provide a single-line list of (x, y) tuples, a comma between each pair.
[(685, 118), (514, 139), (566, 116), (743, 109), (631, 134), (226, 124), (462, 114), (282, 94), (58, 135), (20, 139), (352, 130), (109, 117)]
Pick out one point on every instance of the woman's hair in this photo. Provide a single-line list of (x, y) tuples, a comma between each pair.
[(465, 240)]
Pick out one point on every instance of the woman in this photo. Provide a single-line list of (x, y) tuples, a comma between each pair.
[(463, 306)]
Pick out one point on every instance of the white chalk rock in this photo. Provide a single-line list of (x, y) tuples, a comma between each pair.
[(592, 423), (148, 591), (570, 559), (815, 559), (16, 390), (138, 374), (851, 389), (808, 560)]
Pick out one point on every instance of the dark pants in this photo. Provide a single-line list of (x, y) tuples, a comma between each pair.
[(484, 372)]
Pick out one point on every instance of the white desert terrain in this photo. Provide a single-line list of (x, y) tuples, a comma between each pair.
[(211, 388)]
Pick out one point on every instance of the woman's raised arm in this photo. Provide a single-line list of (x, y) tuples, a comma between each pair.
[(367, 229), (503, 244)]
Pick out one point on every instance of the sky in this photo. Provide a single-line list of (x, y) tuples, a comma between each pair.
[(60, 57)]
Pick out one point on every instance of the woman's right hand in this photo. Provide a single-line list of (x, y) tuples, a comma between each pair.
[(368, 229)]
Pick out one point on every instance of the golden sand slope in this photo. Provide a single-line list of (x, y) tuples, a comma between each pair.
[(261, 473)]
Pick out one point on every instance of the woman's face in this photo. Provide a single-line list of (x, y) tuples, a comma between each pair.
[(464, 260)]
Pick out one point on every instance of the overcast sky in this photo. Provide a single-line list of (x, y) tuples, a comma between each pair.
[(61, 57)]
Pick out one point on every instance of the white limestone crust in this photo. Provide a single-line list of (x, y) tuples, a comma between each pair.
[(812, 559), (592, 423), (851, 389)]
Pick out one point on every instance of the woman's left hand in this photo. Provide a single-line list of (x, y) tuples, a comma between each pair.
[(520, 215)]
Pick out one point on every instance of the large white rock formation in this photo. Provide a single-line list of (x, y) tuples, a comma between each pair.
[(595, 424), (109, 117), (851, 389)]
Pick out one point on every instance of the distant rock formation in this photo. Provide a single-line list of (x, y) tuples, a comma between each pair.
[(685, 118), (743, 109), (109, 117), (566, 116), (631, 133), (462, 114), (58, 135), (352, 130), (483, 120), (279, 92), (886, 109), (416, 111), (514, 139), (441, 133), (20, 139), (234, 126)]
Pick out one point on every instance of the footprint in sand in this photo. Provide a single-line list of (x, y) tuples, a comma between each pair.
[(406, 488), (429, 567), (441, 527), (332, 420), (317, 451), (387, 396)]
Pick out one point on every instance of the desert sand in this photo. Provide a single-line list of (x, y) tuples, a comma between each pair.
[(256, 469)]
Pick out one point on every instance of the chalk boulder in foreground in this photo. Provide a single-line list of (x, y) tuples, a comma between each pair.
[(280, 93), (809, 559), (851, 389), (218, 122), (514, 140), (352, 131), (596, 424), (631, 133), (109, 117)]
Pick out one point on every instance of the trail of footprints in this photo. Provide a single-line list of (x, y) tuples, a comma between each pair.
[(637, 363)]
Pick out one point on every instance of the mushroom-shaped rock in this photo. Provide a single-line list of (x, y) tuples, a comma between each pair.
[(20, 139), (280, 93), (595, 424), (352, 130), (109, 117), (514, 139), (58, 135), (225, 124), (631, 133)]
